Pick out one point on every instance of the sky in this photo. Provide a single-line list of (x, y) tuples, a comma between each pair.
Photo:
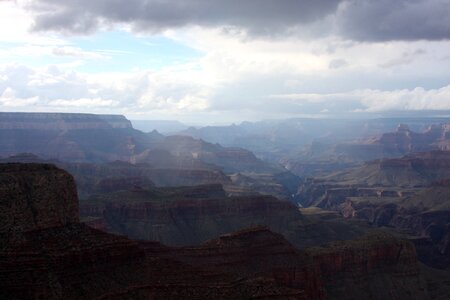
[(216, 61)]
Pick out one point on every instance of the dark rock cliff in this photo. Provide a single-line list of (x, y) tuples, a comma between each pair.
[(36, 196), (54, 257)]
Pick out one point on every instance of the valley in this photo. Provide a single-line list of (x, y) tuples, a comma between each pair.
[(375, 207)]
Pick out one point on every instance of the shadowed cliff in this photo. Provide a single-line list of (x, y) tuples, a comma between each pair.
[(59, 258)]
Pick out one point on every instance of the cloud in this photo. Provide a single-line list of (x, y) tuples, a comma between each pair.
[(379, 101), (256, 16), (360, 20), (8, 99), (384, 20), (415, 99), (405, 58), (184, 94), (53, 88), (337, 63), (84, 103), (15, 25), (77, 52)]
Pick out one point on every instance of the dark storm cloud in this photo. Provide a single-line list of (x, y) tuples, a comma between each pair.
[(381, 20), (360, 20), (256, 16)]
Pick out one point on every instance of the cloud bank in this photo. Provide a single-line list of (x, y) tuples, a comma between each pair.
[(52, 89), (359, 20)]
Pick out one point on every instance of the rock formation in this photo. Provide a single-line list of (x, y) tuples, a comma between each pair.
[(59, 258), (327, 156), (35, 197), (70, 137), (425, 216), (410, 195), (61, 121), (393, 177)]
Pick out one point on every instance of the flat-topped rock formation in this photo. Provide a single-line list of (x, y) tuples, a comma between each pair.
[(61, 121), (70, 137)]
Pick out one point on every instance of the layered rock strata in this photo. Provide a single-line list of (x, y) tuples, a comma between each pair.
[(58, 258)]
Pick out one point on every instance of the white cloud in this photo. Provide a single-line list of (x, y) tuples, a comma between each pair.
[(378, 101), (15, 24), (84, 103), (232, 80), (135, 92), (8, 99), (77, 52), (415, 99)]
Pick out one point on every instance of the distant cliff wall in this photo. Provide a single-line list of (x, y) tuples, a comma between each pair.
[(61, 121)]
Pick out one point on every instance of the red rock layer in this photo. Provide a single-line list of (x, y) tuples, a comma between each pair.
[(51, 257)]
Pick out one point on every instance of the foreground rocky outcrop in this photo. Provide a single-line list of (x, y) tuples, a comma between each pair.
[(34, 197), (53, 259)]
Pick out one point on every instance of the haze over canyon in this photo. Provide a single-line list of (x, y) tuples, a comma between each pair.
[(206, 149)]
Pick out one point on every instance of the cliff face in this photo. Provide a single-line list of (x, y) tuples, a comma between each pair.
[(70, 137), (410, 195), (95, 178), (327, 156), (35, 197), (369, 260), (89, 138), (330, 195), (380, 178), (404, 140), (258, 250), (60, 121), (188, 218), (424, 215), (189, 215), (66, 260), (230, 159)]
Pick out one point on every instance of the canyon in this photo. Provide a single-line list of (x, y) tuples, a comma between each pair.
[(92, 208), (409, 194), (94, 146), (53, 256)]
